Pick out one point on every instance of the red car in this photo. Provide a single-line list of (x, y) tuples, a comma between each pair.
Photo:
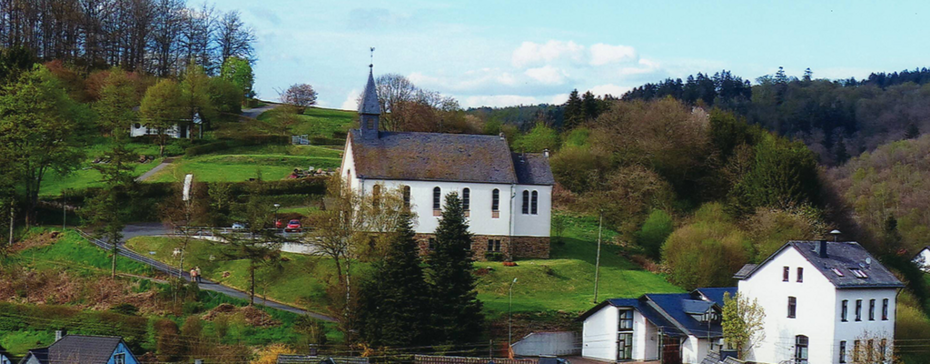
[(293, 225), (277, 224)]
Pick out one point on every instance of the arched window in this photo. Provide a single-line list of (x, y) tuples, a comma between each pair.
[(437, 198), (466, 199), (534, 204), (496, 200), (526, 202), (376, 195), (800, 349), (407, 197)]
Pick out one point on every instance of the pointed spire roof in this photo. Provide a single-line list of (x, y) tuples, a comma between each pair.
[(369, 104)]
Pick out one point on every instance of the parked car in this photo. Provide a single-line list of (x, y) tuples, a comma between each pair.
[(293, 225), (239, 226), (278, 224)]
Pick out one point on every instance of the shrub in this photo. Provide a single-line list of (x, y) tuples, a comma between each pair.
[(125, 309), (656, 228), (494, 256), (706, 251)]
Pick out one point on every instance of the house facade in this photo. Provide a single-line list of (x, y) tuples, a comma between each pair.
[(922, 259), (670, 328), (825, 302), (79, 349), (507, 196), (5, 356)]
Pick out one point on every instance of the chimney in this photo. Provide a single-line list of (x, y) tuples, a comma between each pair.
[(501, 134), (823, 248), (59, 334), (546, 152)]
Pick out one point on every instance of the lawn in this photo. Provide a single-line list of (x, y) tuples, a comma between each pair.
[(274, 161), (563, 283), (317, 121), (53, 184), (74, 253)]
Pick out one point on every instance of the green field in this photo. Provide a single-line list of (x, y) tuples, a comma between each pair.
[(317, 121), (563, 283), (85, 177), (241, 167), (74, 253)]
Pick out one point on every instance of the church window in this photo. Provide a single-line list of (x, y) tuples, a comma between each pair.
[(526, 202), (406, 197), (534, 205), (466, 199), (437, 198), (496, 200), (376, 195)]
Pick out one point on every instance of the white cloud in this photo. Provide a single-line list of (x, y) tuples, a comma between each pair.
[(530, 53), (499, 100), (602, 54), (609, 89), (547, 75), (558, 99), (645, 66), (351, 102)]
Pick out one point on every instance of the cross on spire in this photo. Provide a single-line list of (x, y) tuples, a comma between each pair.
[(372, 64)]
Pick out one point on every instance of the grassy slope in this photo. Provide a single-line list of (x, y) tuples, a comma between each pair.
[(83, 178), (78, 256), (74, 253), (563, 283), (274, 162), (318, 121)]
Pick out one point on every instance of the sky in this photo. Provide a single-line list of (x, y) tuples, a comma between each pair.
[(501, 53)]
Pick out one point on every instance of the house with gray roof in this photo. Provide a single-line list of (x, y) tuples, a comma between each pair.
[(662, 327), (824, 302), (80, 349), (507, 196)]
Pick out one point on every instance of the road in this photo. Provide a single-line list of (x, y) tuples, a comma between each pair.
[(149, 229), (255, 112), (164, 163)]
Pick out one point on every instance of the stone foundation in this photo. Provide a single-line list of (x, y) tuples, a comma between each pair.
[(512, 247)]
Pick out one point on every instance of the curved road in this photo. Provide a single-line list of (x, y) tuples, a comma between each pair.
[(154, 229), (255, 112)]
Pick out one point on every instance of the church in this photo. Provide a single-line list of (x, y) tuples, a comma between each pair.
[(507, 196)]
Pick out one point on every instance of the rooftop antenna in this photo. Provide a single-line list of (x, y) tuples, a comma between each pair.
[(372, 64), (836, 234)]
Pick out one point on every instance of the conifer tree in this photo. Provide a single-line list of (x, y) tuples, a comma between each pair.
[(574, 111), (456, 316), (393, 305)]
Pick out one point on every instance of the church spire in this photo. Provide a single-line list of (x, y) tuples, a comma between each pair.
[(369, 108)]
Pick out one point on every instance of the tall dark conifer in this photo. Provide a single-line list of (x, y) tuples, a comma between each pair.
[(574, 111), (393, 309), (456, 317)]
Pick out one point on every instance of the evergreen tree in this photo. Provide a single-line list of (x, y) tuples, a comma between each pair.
[(456, 316), (393, 305), (589, 105), (574, 111), (841, 155), (912, 131)]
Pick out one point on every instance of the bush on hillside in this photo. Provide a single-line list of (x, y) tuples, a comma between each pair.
[(707, 251), (657, 227)]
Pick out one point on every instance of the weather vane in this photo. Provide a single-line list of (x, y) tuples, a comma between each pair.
[(372, 64)]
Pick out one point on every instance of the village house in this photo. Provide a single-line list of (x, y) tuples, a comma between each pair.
[(922, 259), (182, 130), (507, 196), (79, 349), (824, 302), (670, 328), (5, 357)]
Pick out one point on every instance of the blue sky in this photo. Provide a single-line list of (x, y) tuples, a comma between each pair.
[(500, 53)]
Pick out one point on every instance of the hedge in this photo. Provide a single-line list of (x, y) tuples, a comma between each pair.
[(318, 140)]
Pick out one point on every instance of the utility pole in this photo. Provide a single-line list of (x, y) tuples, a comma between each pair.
[(12, 216), (597, 261), (510, 317), (64, 213)]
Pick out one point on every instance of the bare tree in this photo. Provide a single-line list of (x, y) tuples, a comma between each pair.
[(234, 38), (393, 89), (300, 95)]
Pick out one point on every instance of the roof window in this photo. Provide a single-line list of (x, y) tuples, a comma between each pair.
[(837, 272), (859, 273)]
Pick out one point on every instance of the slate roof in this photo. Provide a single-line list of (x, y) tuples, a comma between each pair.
[(78, 349), (745, 271), (532, 169), (677, 305), (641, 306), (842, 256), (369, 104), (715, 294), (434, 157)]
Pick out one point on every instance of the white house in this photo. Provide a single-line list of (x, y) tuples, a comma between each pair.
[(825, 302), (671, 328), (922, 259), (507, 196), (182, 130)]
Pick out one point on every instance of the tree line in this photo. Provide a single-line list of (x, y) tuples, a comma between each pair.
[(158, 37), (835, 118)]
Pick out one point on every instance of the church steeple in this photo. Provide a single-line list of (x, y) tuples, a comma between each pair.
[(369, 109)]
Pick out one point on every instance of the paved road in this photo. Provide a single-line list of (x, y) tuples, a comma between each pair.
[(164, 163), (153, 229), (255, 112)]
